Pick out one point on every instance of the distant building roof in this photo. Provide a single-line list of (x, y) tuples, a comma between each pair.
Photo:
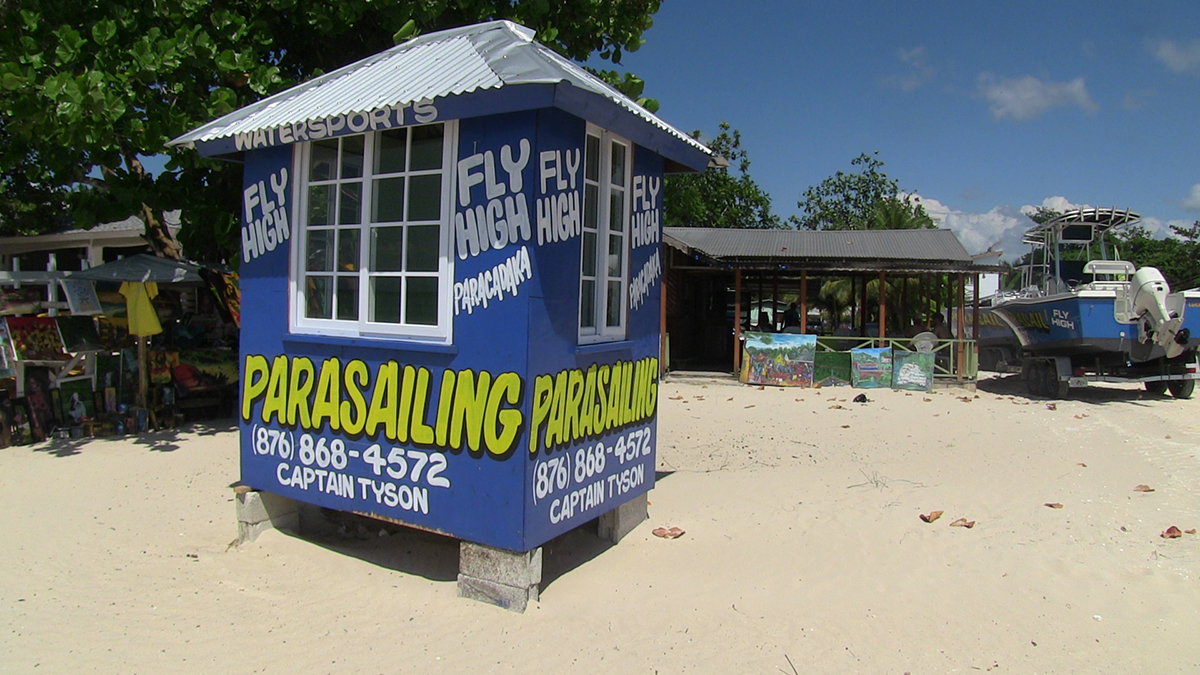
[(831, 250), (482, 69), (120, 233)]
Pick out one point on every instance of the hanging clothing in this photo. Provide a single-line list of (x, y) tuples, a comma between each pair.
[(143, 320)]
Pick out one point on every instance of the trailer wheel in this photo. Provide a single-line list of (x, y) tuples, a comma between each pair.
[(1033, 377), (1054, 388), (1182, 389), (1157, 388)]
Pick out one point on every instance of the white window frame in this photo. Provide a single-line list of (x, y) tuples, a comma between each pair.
[(442, 332), (600, 331)]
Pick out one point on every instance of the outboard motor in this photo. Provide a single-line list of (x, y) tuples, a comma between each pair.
[(1148, 292)]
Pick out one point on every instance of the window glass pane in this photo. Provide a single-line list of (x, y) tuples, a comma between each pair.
[(321, 200), (592, 159), (389, 150), (612, 316), (618, 164), (320, 251), (347, 298), (423, 248), (425, 197), (323, 160), (386, 299), (317, 300), (591, 207), (347, 250), (616, 211), (387, 249), (587, 304), (616, 252), (589, 254), (350, 211), (389, 201), (352, 156), (420, 301), (427, 147)]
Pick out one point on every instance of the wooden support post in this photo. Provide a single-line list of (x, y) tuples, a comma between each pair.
[(882, 308), (961, 313), (975, 319), (662, 320), (737, 322), (754, 326), (936, 296), (143, 366), (803, 301), (862, 309), (775, 301), (925, 290)]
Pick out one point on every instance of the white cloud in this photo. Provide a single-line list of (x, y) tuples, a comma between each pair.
[(919, 71), (1056, 203), (1028, 97), (1192, 201), (1136, 100), (1179, 58), (1000, 228)]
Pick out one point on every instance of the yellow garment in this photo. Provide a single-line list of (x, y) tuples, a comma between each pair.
[(143, 320)]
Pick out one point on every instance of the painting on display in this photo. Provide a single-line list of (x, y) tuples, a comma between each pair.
[(6, 413), (114, 333), (77, 400), (832, 369), (108, 373), (79, 334), (42, 416), (6, 353), (35, 338), (22, 428), (912, 371), (871, 368), (778, 358), (205, 370), (81, 296)]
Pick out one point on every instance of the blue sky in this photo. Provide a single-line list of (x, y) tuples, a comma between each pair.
[(981, 109)]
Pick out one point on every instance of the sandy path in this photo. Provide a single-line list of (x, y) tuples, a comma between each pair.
[(803, 544)]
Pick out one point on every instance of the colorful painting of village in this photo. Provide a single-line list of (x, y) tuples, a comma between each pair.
[(779, 358)]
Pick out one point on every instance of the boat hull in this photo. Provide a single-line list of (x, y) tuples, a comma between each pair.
[(1083, 325)]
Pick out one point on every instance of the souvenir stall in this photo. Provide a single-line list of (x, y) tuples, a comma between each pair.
[(192, 367), (69, 368), (47, 361), (451, 274)]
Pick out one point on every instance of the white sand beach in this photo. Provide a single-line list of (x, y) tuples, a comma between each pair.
[(804, 551)]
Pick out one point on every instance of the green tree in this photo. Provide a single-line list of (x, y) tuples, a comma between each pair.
[(89, 89), (861, 200), (1178, 257), (718, 197)]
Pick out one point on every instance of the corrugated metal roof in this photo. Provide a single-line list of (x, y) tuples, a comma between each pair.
[(824, 248), (474, 58)]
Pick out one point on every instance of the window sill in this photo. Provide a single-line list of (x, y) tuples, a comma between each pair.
[(603, 347), (389, 344)]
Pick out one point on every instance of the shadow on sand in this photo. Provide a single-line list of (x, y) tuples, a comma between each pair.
[(163, 440), (435, 556), (1013, 385)]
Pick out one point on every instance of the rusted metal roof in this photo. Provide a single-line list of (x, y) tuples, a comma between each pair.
[(900, 250), (454, 66)]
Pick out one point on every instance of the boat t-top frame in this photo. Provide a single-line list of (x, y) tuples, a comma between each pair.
[(1079, 227)]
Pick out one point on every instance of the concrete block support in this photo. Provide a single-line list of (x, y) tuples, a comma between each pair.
[(498, 577), (261, 511), (615, 524)]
